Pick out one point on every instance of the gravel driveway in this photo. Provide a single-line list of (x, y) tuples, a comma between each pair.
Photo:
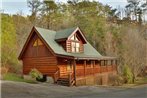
[(12, 89)]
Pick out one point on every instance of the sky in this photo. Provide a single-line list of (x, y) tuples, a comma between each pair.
[(17, 6)]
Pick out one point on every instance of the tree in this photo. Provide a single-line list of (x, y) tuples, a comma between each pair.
[(22, 26), (49, 10), (133, 49), (8, 42), (34, 5), (134, 8), (144, 9)]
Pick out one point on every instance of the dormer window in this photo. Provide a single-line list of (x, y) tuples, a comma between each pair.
[(75, 44)]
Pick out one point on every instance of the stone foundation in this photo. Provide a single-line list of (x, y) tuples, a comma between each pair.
[(97, 79)]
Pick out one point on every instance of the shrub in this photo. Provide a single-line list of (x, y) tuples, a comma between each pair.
[(35, 73), (128, 76), (116, 80)]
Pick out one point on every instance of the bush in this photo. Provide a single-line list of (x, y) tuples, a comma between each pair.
[(35, 73), (128, 76), (116, 80)]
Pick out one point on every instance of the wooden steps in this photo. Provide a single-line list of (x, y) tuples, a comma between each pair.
[(63, 81), (65, 78)]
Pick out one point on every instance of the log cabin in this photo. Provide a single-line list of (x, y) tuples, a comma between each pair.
[(66, 56)]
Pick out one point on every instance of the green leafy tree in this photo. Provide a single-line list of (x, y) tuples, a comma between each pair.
[(8, 42), (34, 6), (49, 11)]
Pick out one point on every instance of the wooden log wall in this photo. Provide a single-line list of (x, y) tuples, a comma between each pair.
[(39, 57), (46, 65)]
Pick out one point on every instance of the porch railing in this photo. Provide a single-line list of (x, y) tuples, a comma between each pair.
[(98, 69)]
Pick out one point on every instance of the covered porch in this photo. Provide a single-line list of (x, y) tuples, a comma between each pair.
[(74, 68), (92, 67)]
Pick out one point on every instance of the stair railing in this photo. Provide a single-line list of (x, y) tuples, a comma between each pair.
[(56, 76), (71, 78)]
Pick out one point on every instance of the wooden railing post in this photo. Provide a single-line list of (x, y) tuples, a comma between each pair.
[(69, 77), (74, 68), (84, 68), (100, 66), (93, 67), (106, 65), (56, 75)]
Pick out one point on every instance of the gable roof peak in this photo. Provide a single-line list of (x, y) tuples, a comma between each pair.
[(66, 33)]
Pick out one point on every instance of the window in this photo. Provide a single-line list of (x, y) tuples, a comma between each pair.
[(102, 63), (37, 42), (75, 47), (89, 64)]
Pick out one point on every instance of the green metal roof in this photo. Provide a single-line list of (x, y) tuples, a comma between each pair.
[(49, 36), (64, 33)]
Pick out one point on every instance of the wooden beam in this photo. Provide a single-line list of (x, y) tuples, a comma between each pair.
[(100, 66), (84, 68), (93, 67), (74, 68), (106, 63)]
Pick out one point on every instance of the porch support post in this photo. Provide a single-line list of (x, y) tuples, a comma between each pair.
[(74, 68), (106, 63), (84, 68), (93, 67), (116, 62), (112, 64), (100, 66)]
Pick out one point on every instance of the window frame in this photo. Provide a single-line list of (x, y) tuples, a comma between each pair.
[(75, 44)]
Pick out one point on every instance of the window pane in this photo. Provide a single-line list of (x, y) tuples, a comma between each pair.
[(109, 62), (39, 42), (77, 45), (73, 46), (73, 49), (72, 38), (76, 38), (77, 49), (102, 63), (35, 43)]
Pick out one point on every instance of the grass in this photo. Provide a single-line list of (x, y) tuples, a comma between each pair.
[(15, 77), (141, 80)]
